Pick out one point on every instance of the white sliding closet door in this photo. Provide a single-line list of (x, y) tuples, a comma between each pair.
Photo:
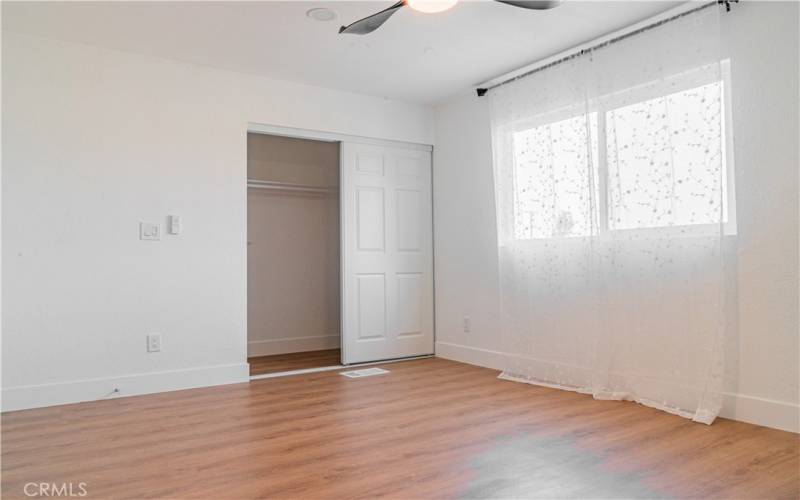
[(387, 253)]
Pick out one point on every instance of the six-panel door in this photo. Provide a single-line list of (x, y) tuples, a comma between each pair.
[(387, 253)]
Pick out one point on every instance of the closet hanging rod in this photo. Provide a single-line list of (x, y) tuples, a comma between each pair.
[(288, 187)]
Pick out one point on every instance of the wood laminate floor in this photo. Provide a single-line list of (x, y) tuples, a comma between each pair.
[(429, 429), (261, 365)]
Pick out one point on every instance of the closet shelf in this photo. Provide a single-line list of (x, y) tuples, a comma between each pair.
[(288, 187)]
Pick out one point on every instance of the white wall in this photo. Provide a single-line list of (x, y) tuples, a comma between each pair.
[(293, 285), (761, 40), (95, 141)]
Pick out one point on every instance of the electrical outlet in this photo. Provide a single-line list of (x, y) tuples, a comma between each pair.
[(467, 324), (153, 342)]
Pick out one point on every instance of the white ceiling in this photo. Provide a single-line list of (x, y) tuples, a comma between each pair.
[(413, 57)]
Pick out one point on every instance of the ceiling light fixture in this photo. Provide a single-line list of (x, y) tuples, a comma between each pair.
[(321, 14), (376, 20), (431, 6)]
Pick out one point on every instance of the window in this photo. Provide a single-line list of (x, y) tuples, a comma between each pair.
[(656, 164), (551, 179)]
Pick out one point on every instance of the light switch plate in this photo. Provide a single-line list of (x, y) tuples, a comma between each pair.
[(153, 342), (149, 231), (174, 224)]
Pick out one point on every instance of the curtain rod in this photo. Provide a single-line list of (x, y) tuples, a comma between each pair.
[(481, 91)]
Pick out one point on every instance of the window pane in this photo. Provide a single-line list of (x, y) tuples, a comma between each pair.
[(554, 177), (666, 162)]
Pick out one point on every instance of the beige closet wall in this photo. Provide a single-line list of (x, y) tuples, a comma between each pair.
[(293, 250)]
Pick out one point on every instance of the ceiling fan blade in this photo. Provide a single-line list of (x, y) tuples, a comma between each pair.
[(532, 4), (371, 23)]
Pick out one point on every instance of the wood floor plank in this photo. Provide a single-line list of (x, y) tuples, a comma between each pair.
[(261, 365), (430, 428)]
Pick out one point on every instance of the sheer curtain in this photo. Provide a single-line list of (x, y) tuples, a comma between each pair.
[(613, 202)]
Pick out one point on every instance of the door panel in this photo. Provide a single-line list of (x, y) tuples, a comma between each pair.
[(409, 304), (387, 253), (371, 306), (370, 219), (408, 214)]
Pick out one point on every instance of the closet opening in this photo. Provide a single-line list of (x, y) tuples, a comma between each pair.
[(293, 254)]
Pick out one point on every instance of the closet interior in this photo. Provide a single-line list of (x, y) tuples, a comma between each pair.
[(293, 290)]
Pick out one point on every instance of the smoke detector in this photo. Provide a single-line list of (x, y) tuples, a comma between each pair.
[(321, 14)]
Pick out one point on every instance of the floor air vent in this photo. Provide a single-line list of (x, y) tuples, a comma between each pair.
[(366, 372)]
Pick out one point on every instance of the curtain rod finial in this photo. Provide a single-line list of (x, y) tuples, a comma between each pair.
[(481, 92)]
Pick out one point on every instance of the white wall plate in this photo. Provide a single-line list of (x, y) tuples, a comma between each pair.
[(149, 231)]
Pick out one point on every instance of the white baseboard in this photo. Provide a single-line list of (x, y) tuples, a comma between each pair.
[(769, 413), (287, 345), (471, 355), (37, 396)]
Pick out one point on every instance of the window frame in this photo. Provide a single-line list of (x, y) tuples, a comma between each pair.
[(680, 82)]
